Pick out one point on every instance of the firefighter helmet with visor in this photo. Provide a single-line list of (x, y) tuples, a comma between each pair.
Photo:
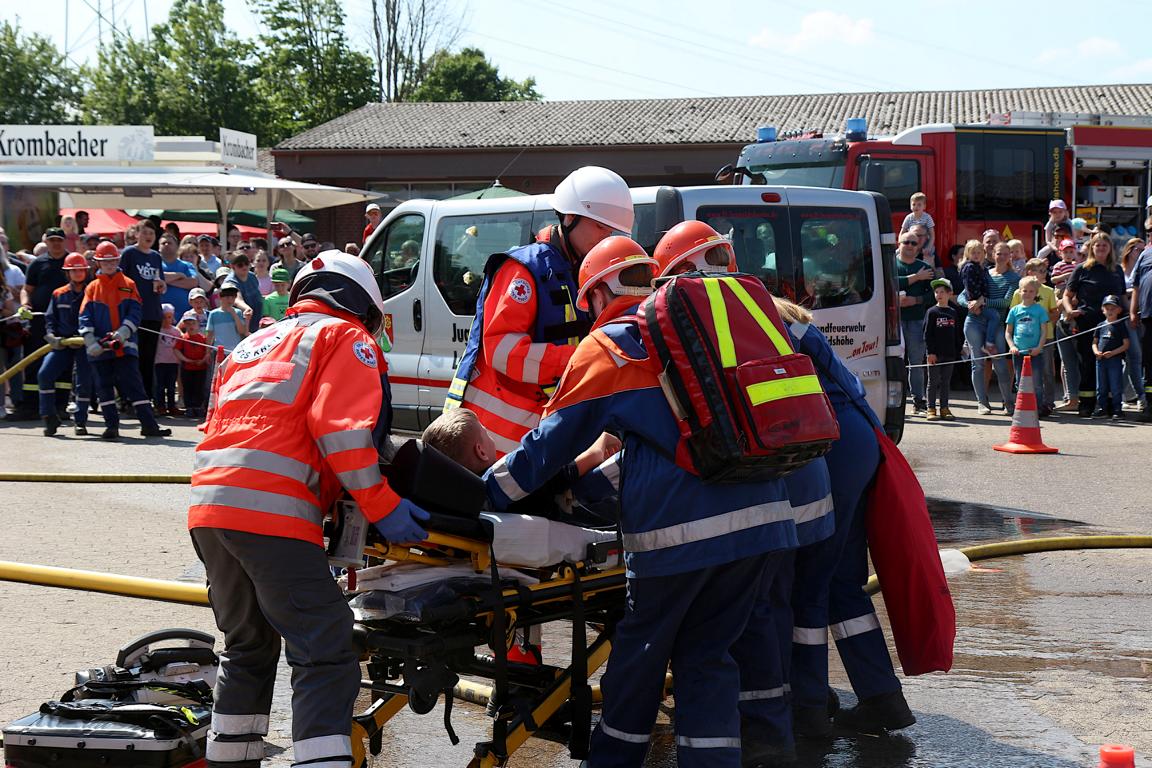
[(621, 264), (693, 245)]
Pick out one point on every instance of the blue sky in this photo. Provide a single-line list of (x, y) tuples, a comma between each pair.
[(586, 49)]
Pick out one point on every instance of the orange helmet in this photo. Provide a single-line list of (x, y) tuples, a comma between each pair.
[(696, 242), (107, 251), (75, 261), (621, 263)]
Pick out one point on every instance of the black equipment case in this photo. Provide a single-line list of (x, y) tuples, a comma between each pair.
[(102, 732)]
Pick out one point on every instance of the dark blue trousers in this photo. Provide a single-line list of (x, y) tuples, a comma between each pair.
[(828, 596), (764, 653), (691, 620), (59, 362), (122, 373)]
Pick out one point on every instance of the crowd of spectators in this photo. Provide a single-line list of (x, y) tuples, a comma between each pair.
[(1075, 307), (198, 295)]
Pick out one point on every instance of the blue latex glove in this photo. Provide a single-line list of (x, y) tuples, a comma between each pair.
[(401, 525)]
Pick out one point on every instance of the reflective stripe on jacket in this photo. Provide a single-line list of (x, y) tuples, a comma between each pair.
[(62, 318), (292, 420), (110, 303), (672, 522), (525, 330)]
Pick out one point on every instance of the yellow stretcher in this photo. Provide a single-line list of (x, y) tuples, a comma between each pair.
[(413, 663)]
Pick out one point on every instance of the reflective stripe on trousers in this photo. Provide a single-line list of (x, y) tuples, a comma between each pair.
[(857, 626)]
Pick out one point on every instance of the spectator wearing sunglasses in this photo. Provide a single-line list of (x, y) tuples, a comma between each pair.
[(286, 257), (914, 277), (251, 300)]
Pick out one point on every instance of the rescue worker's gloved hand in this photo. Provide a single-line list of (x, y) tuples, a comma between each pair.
[(93, 347), (124, 332), (401, 525), (53, 341)]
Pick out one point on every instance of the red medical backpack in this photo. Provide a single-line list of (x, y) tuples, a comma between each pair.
[(749, 406)]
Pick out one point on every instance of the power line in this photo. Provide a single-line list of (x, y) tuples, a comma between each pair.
[(699, 50), (614, 70)]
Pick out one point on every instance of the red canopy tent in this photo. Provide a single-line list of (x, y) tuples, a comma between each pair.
[(110, 222)]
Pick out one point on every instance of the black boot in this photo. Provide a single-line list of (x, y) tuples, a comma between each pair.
[(51, 424), (81, 430), (812, 722), (111, 433), (148, 425), (760, 748), (877, 715)]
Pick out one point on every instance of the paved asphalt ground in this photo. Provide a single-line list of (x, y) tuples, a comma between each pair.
[(1054, 651)]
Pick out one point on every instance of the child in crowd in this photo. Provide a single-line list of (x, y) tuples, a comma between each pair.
[(198, 299), (919, 215), (1110, 345), (276, 303), (167, 366), (1057, 214), (942, 341), (1043, 366), (192, 353), (1019, 256), (1063, 269), (226, 324), (1025, 331)]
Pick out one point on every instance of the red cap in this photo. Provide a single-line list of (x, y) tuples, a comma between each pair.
[(1067, 244)]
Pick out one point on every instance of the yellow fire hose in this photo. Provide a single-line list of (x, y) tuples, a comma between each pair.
[(192, 594), (71, 341), (48, 477)]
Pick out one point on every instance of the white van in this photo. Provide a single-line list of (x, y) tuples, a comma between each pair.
[(830, 250)]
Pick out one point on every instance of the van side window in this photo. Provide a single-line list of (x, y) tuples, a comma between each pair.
[(463, 245), (395, 258), (759, 235), (835, 252)]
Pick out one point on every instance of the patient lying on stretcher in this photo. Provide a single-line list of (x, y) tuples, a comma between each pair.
[(539, 530)]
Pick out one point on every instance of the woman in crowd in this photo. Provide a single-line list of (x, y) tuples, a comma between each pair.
[(985, 336), (11, 340), (261, 267), (1091, 282), (1133, 360)]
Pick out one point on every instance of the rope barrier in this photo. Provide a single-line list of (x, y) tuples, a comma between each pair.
[(1052, 343)]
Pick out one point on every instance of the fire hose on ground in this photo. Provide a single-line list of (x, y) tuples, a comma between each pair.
[(193, 594)]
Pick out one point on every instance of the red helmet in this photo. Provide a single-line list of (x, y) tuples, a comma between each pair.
[(621, 263), (75, 261), (696, 242), (107, 251)]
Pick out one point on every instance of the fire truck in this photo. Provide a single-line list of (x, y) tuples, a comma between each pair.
[(1000, 175)]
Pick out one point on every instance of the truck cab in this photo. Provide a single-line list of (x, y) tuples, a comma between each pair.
[(829, 250)]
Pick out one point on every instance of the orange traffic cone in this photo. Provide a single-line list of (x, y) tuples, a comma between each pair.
[(1117, 756), (1024, 437)]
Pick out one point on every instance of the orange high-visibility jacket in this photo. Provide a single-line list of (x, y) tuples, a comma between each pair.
[(292, 419)]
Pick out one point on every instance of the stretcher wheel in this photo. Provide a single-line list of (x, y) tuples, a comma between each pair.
[(422, 702)]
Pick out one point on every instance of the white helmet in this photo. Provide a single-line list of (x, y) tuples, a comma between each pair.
[(345, 265), (598, 194)]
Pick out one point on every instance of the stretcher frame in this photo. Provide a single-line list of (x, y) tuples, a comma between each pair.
[(411, 665)]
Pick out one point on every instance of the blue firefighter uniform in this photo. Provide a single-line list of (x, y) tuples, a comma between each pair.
[(526, 328), (764, 651), (112, 305), (691, 549), (62, 320), (828, 596)]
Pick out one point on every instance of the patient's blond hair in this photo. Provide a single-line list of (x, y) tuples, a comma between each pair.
[(449, 433)]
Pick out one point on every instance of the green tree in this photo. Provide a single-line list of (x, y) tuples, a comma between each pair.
[(307, 72), (124, 85), (190, 80), (36, 83), (469, 76)]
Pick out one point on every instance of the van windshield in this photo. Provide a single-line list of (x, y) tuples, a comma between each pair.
[(798, 163), (818, 257)]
